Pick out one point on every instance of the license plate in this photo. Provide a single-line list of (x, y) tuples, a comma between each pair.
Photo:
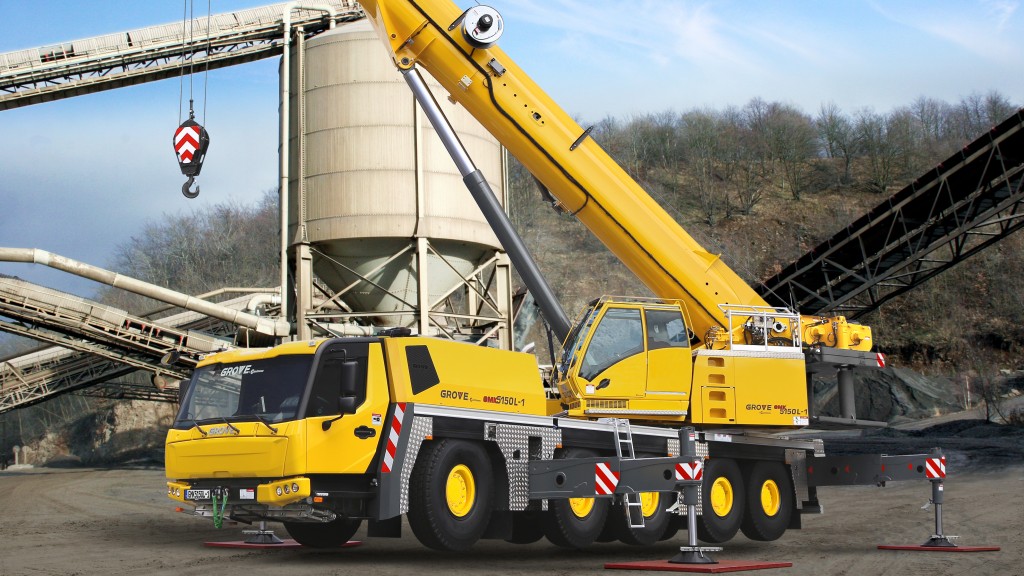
[(197, 494)]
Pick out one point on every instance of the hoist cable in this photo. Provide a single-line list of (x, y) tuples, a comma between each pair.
[(181, 73), (192, 55), (206, 74)]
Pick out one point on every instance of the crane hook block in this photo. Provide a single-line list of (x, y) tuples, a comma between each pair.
[(191, 141)]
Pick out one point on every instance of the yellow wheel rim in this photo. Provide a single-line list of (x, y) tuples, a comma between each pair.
[(581, 507), (460, 490), (722, 496), (649, 503), (771, 500)]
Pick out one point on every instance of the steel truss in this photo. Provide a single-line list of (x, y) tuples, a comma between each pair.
[(155, 53), (93, 344), (471, 308), (964, 205)]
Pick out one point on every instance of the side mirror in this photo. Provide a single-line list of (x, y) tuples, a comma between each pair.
[(346, 405), (349, 369)]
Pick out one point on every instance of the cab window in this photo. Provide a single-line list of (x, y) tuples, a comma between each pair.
[(619, 336), (665, 329), (323, 398)]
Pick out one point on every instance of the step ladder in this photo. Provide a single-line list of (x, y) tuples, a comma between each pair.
[(631, 504)]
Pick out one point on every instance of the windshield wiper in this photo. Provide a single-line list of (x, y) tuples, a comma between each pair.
[(230, 425), (195, 423), (265, 423)]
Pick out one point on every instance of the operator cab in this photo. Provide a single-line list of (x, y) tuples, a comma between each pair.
[(627, 357)]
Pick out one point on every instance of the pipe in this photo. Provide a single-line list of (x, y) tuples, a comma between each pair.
[(286, 22), (263, 325), (261, 299), (218, 292)]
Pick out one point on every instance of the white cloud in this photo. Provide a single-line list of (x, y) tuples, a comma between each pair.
[(981, 27)]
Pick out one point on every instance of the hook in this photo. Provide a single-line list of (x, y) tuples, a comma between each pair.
[(185, 188)]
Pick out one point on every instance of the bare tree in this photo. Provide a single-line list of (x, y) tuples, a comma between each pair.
[(793, 141), (700, 132), (880, 154), (784, 140), (741, 167), (835, 133), (227, 244)]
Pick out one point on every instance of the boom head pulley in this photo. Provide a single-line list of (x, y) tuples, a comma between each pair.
[(482, 26)]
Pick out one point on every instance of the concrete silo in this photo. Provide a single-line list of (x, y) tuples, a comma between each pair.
[(377, 210)]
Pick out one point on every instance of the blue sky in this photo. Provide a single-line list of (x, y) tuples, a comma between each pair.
[(80, 176)]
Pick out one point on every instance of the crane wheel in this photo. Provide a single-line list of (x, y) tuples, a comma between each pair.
[(575, 522), (656, 519), (723, 501), (451, 493), (323, 534), (770, 501)]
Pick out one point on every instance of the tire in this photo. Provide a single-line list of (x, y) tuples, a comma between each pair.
[(451, 493), (526, 527), (323, 534), (723, 501), (770, 501), (610, 532), (656, 519), (575, 522)]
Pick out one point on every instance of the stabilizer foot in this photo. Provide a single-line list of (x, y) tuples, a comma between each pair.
[(694, 555), (261, 537)]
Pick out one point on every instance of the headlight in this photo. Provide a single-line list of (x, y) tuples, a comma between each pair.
[(279, 491), (295, 487)]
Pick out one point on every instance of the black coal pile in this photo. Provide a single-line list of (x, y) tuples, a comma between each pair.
[(967, 444), (890, 394)]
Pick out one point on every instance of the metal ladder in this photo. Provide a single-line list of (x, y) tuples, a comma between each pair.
[(631, 504)]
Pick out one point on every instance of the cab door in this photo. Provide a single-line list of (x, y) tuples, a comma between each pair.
[(669, 360), (615, 362), (350, 443)]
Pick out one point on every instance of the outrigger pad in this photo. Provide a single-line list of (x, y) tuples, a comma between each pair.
[(942, 548), (286, 543), (721, 567)]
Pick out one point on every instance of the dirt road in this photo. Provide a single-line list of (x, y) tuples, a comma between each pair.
[(118, 522)]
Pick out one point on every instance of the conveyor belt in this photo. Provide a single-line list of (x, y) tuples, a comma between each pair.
[(965, 204), (92, 343), (127, 58)]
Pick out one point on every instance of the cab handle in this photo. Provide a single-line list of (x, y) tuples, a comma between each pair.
[(364, 432)]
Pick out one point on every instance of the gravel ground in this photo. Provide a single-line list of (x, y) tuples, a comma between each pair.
[(118, 521)]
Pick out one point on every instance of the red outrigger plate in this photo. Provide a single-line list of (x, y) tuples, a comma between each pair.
[(942, 548), (287, 543), (721, 567)]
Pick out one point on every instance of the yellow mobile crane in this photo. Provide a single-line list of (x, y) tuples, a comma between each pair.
[(466, 440)]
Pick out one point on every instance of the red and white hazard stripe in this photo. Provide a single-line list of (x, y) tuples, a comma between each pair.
[(605, 481), (186, 142), (690, 470), (935, 467), (396, 430)]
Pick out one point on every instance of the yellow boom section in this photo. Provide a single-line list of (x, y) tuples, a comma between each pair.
[(574, 169)]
